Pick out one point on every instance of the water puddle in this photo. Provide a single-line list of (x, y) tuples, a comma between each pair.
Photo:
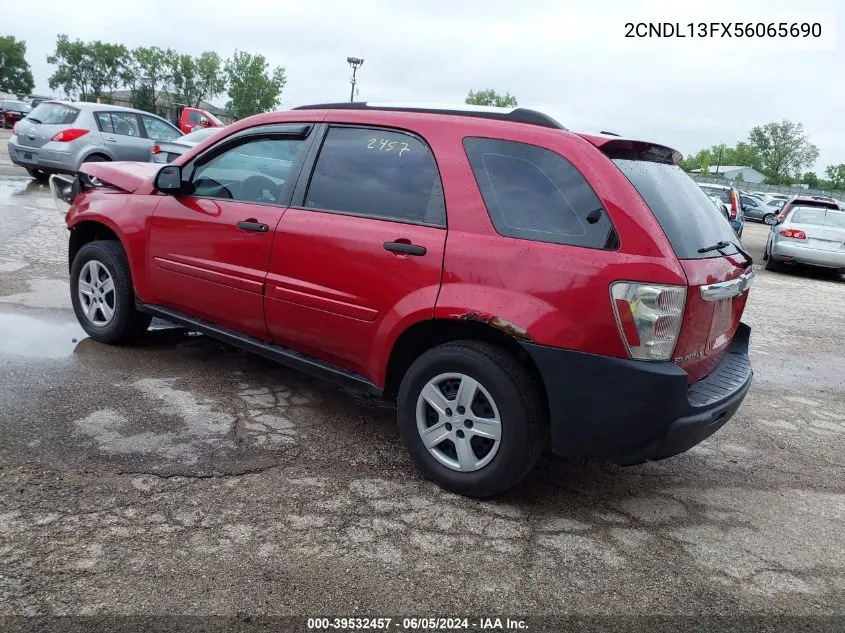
[(16, 187), (32, 337)]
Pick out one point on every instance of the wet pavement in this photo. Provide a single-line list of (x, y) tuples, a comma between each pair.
[(179, 476)]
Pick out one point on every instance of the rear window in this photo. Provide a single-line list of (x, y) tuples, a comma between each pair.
[(722, 194), (818, 216), (54, 114), (535, 194), (688, 217), (822, 204)]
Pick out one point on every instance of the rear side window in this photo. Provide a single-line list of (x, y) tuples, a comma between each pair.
[(54, 114), (535, 194), (104, 122), (377, 173), (686, 214)]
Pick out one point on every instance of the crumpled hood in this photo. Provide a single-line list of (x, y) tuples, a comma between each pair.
[(128, 176)]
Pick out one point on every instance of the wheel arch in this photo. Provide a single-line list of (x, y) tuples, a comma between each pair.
[(93, 151), (424, 335), (88, 231)]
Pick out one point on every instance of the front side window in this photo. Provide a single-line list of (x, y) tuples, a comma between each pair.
[(377, 173), (194, 117), (159, 130), (253, 171), (536, 194)]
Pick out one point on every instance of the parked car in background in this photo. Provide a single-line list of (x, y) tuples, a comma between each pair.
[(11, 112), (804, 201), (167, 151), (318, 237), (730, 197), (809, 235), (755, 209), (191, 119), (58, 137)]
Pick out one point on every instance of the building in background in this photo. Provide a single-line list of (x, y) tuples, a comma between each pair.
[(734, 172)]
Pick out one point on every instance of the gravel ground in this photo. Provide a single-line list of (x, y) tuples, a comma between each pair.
[(182, 477)]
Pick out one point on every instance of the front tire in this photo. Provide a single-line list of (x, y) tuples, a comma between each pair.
[(102, 294), (471, 418), (769, 219)]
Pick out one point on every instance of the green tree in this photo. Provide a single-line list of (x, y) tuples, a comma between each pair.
[(252, 87), (107, 64), (810, 179), (742, 154), (73, 67), (783, 148), (184, 73), (210, 77), (149, 76), (490, 97), (836, 176), (15, 74)]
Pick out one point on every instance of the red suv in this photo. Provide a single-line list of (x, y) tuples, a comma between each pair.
[(513, 285)]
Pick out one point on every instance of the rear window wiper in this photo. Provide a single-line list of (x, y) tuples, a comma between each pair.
[(722, 245)]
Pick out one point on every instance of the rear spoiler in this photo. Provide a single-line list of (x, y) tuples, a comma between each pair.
[(614, 146)]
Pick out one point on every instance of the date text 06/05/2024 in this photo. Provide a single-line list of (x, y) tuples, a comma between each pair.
[(724, 29)]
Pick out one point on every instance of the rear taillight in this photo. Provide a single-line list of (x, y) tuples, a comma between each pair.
[(733, 205), (795, 234), (71, 134), (155, 149), (649, 318), (15, 128)]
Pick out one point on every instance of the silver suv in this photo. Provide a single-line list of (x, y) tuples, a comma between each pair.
[(58, 136)]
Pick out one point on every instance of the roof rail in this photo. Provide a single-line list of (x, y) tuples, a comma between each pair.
[(515, 115)]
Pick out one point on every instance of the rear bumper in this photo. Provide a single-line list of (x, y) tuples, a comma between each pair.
[(782, 251), (41, 158), (633, 411)]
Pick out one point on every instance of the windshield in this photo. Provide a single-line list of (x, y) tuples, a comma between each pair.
[(723, 194), (215, 120), (54, 114), (18, 106), (689, 218), (818, 216), (199, 135)]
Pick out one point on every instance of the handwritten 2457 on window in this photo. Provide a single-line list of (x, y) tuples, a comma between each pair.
[(723, 29)]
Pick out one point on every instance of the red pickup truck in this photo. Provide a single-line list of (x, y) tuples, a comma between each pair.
[(188, 119)]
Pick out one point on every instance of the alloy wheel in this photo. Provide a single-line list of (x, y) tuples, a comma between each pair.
[(96, 293), (458, 422)]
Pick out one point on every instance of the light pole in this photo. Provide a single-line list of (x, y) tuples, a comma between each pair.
[(356, 63)]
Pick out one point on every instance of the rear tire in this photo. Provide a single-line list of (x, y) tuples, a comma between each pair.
[(39, 174), (773, 266), (102, 294), (505, 403), (95, 158)]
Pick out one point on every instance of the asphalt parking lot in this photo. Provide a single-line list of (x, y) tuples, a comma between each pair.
[(179, 476)]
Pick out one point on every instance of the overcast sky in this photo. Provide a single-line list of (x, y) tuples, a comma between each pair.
[(569, 58)]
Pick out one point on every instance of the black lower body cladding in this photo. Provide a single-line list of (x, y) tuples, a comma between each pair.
[(632, 411)]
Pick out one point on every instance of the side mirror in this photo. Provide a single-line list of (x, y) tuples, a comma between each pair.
[(169, 180)]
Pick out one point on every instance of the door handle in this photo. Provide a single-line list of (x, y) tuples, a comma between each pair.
[(405, 248), (111, 139), (252, 225)]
